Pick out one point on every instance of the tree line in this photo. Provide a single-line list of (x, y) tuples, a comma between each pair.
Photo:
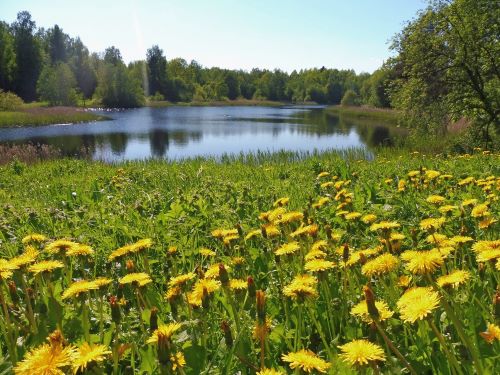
[(445, 67), (49, 65)]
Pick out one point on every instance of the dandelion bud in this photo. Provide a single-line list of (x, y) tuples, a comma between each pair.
[(130, 265), (13, 292), (205, 302), (261, 306), (56, 339), (223, 275), (362, 259), (115, 309), (251, 287), (370, 302), (153, 320), (345, 253), (228, 336)]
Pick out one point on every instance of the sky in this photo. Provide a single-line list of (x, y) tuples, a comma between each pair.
[(233, 34)]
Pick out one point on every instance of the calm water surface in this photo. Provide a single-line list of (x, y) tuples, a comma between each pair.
[(181, 132)]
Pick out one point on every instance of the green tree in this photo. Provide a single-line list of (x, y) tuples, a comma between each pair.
[(449, 63), (56, 85), (28, 56), (57, 45), (157, 70), (233, 86), (350, 98), (7, 57), (83, 70)]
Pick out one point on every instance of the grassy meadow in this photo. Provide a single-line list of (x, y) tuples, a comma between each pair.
[(264, 264)]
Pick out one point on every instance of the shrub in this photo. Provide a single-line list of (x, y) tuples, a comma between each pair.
[(9, 101)]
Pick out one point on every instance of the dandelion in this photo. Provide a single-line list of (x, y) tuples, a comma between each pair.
[(401, 185), (322, 174), (252, 234), (52, 358), (86, 355), (315, 254), (352, 216), (361, 352), (34, 237), (270, 230), (435, 199), (480, 210), (181, 279), (60, 245), (281, 202), (380, 265), (101, 282), (447, 208), (469, 202), (287, 249), (301, 287), (487, 222), (369, 218), (213, 271), (310, 230), (6, 269), (45, 266), (276, 214), (79, 287), (270, 371), (306, 360), (431, 175), (417, 303), (454, 278), (432, 223), (164, 333), (29, 256), (481, 246), (466, 181), (207, 285), (487, 255), (361, 311), (492, 333), (178, 360), (139, 278), (384, 225), (238, 284), (79, 250), (318, 265), (461, 239), (423, 262)]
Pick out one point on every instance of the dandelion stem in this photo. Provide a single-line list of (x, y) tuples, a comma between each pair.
[(450, 355)]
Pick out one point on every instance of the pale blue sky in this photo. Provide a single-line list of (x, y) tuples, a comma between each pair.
[(285, 34)]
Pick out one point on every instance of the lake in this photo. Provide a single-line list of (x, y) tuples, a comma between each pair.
[(181, 132)]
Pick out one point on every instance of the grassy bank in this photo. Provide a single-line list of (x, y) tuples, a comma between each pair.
[(370, 113), (218, 103), (36, 115), (214, 232)]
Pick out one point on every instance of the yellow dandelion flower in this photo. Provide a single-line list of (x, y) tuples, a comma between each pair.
[(45, 266), (404, 281), (401, 185), (480, 210), (417, 303), (447, 208), (238, 261), (384, 225), (487, 255), (461, 239), (221, 233), (87, 354), (322, 174), (306, 360), (413, 173), (480, 246), (34, 237), (164, 333), (238, 284), (270, 230), (326, 185), (423, 262), (301, 287), (227, 240), (369, 218), (253, 233), (181, 279), (355, 256), (77, 288), (319, 245), (315, 254), (321, 202), (139, 278), (288, 248), (310, 230), (466, 181), (380, 265), (177, 360), (361, 352), (435, 199), (492, 333), (207, 252), (431, 175), (29, 256), (210, 285), (213, 271), (276, 214), (172, 293), (281, 202), (6, 268), (101, 282), (60, 245), (172, 250), (261, 329), (469, 202), (352, 216), (360, 310), (318, 265), (487, 222), (270, 371), (432, 223), (454, 278), (47, 359), (79, 250)]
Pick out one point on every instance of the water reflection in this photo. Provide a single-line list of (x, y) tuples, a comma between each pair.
[(178, 132)]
